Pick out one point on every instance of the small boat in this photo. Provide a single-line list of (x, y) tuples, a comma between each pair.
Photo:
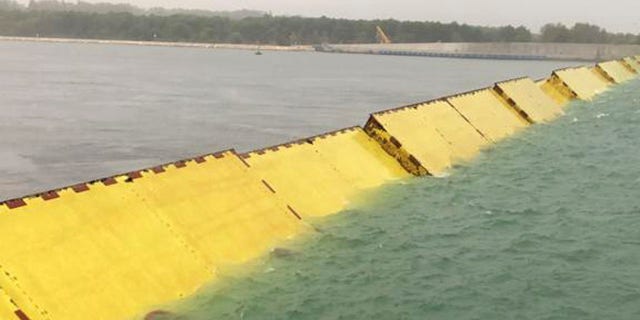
[(258, 53)]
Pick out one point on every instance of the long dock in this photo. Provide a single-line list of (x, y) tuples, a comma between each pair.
[(495, 51)]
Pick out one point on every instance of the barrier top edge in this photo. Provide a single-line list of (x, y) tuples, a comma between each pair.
[(110, 180)]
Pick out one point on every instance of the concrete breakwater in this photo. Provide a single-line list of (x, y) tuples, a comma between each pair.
[(164, 44), (117, 247), (497, 50)]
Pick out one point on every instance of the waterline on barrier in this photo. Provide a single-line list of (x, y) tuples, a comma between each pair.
[(541, 226)]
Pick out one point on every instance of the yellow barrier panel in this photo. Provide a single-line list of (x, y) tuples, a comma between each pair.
[(394, 148), (433, 133), (7, 308), (601, 74), (555, 89), (222, 210), (488, 113), (582, 82), (69, 252), (313, 174), (526, 97), (6, 313), (631, 64), (615, 71), (116, 248), (15, 303), (367, 165)]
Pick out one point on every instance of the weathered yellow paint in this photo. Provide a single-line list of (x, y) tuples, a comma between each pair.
[(220, 209), (555, 89), (419, 138), (488, 113), (116, 251), (526, 97), (466, 140), (62, 251), (601, 74), (366, 166), (631, 64), (615, 71), (312, 174), (13, 297), (583, 82), (7, 308), (116, 248), (394, 148), (434, 133)]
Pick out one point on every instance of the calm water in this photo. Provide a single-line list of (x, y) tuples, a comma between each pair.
[(543, 226), (75, 112)]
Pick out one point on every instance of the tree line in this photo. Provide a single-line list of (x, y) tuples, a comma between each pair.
[(124, 22)]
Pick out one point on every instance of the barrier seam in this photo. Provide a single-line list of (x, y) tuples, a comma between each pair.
[(556, 77), (605, 74), (295, 213), (17, 285), (512, 103), (21, 315), (14, 307), (467, 120), (280, 200), (626, 64), (328, 163), (266, 184), (166, 221), (375, 130)]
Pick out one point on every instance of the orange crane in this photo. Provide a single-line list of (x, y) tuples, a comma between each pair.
[(382, 37)]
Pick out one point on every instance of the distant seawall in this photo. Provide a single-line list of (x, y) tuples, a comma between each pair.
[(164, 44), (119, 247), (494, 50)]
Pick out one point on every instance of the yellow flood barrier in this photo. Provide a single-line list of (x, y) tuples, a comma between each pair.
[(615, 71), (118, 247), (488, 113), (600, 74), (8, 309), (531, 102), (320, 175), (631, 64), (555, 89), (433, 135), (115, 248), (582, 82)]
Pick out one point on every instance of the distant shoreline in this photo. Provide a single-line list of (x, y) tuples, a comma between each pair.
[(467, 50), (231, 46)]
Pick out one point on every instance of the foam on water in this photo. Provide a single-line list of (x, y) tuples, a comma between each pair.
[(543, 226)]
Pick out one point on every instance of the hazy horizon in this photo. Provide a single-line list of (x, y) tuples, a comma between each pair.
[(619, 16)]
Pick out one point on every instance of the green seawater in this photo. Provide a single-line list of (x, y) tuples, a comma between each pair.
[(545, 225)]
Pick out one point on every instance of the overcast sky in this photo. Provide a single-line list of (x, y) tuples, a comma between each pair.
[(615, 15)]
